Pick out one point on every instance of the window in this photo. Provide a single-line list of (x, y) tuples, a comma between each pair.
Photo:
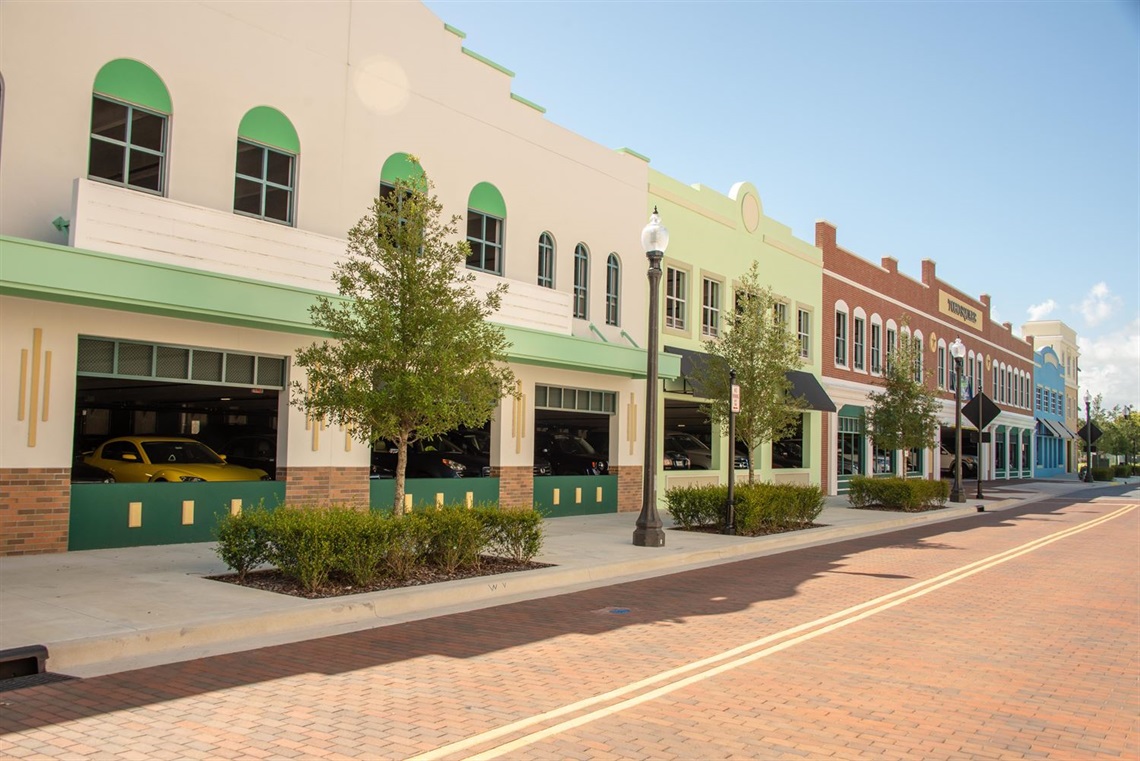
[(581, 281), (1038, 399), (485, 236), (264, 184), (676, 298), (892, 338), (942, 367), (613, 288), (968, 378), (546, 260), (803, 329), (918, 358), (857, 338), (841, 338), (780, 313), (710, 308), (876, 348), (996, 385), (980, 376), (788, 452), (128, 145)]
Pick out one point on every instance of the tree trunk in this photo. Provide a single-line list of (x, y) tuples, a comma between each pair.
[(401, 469)]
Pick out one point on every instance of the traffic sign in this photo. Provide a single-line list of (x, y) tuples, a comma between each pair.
[(735, 398), (1083, 434), (981, 410)]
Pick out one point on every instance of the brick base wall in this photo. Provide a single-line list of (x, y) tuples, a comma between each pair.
[(516, 487), (325, 486), (35, 504), (629, 487)]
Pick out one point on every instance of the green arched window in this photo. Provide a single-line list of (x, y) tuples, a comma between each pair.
[(401, 166), (267, 150), (130, 110), (486, 216)]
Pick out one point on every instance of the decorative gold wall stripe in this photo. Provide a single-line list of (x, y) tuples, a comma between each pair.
[(469, 499), (408, 502), (598, 496), (187, 512), (47, 384), (557, 495), (577, 495), (518, 417), (34, 396), (631, 421), (235, 506), (23, 384), (134, 515), (439, 499)]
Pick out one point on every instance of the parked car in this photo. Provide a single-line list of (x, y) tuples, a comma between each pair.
[(477, 444), (969, 463), (82, 473), (699, 454), (139, 459), (436, 458), (569, 455), (253, 451)]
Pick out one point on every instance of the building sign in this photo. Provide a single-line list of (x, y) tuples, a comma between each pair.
[(963, 313)]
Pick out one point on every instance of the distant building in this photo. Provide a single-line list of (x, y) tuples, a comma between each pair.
[(1062, 339)]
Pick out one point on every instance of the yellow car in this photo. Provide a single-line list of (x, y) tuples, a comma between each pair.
[(138, 459)]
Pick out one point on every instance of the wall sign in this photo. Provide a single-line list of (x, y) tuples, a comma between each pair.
[(963, 313)]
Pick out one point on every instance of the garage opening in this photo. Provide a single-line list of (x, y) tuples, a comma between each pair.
[(688, 437), (573, 430), (226, 400)]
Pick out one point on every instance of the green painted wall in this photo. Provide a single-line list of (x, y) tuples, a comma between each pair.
[(424, 490), (567, 501), (100, 512)]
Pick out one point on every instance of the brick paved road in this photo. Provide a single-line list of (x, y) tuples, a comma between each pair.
[(1002, 635)]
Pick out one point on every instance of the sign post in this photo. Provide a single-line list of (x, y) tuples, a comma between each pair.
[(981, 411), (733, 408)]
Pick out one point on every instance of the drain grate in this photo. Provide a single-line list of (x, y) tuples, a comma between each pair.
[(32, 680), (615, 611)]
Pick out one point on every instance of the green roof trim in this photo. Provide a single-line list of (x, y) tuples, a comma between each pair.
[(488, 61), (461, 35), (634, 153), (530, 103), (486, 198), (400, 166), (268, 126), (134, 82), (49, 272)]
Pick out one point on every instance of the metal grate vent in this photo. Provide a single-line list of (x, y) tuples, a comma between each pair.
[(96, 356), (135, 359), (270, 371), (172, 362), (207, 366), (129, 359), (239, 369), (580, 399)]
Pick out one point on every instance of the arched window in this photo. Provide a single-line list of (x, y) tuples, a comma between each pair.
[(130, 109), (546, 260), (613, 288), (841, 312), (265, 182), (400, 166), (581, 281), (486, 217)]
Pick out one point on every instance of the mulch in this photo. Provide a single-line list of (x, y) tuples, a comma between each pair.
[(272, 580)]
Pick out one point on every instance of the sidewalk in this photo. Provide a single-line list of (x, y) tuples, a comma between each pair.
[(102, 611)]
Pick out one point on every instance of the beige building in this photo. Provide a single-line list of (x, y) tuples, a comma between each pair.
[(1063, 341)]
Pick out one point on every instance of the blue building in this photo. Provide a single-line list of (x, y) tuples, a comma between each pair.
[(1049, 409)]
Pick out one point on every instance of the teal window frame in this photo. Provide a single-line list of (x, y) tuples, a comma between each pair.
[(546, 260), (676, 298), (710, 307), (859, 328), (129, 146), (840, 338), (264, 184), (876, 348), (486, 241), (803, 332), (581, 295), (613, 289)]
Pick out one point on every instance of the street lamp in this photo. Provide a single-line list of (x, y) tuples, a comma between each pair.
[(958, 352), (654, 239), (1088, 437)]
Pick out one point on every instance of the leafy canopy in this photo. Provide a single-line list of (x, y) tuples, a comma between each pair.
[(904, 414)]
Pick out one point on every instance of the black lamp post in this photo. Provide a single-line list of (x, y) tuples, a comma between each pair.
[(957, 352), (730, 508), (1088, 437), (654, 239)]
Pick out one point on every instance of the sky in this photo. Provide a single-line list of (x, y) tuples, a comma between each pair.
[(1000, 139)]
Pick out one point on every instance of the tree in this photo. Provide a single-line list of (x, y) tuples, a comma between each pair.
[(414, 354), (1121, 434), (762, 349), (904, 414)]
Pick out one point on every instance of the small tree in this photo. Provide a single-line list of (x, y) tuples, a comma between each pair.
[(1121, 435), (414, 355), (904, 414), (762, 349)]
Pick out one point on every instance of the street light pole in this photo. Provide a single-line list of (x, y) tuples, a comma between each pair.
[(957, 352), (730, 508), (1088, 437), (654, 239)]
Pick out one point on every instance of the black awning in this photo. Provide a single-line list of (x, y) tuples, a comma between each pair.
[(803, 383), (807, 385)]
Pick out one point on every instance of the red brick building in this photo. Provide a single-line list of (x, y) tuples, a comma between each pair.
[(866, 309)]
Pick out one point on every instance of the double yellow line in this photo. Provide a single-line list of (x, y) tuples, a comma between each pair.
[(674, 679)]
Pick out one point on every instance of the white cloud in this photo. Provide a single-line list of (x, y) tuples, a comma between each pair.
[(1040, 311), (1110, 365), (1098, 305)]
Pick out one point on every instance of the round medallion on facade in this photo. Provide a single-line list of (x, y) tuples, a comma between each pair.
[(750, 212)]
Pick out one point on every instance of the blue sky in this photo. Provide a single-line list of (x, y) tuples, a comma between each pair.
[(1001, 139)]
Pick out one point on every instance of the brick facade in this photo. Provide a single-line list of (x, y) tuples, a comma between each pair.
[(34, 510), (325, 486), (629, 487), (516, 487)]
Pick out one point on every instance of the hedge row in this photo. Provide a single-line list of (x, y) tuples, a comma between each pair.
[(908, 494), (761, 508), (310, 544)]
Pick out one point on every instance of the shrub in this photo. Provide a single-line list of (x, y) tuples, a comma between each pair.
[(1121, 471), (362, 544), (764, 508), (408, 540), (1102, 473), (513, 534), (455, 537), (692, 506), (1136, 470), (908, 494), (302, 545), (243, 539)]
